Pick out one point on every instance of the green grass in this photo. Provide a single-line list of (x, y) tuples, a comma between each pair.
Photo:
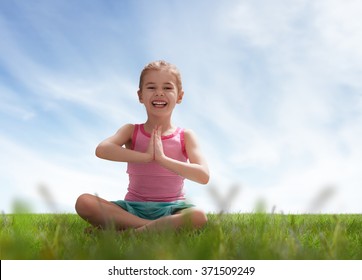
[(229, 236)]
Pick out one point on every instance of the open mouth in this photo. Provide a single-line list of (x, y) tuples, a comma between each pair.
[(159, 104)]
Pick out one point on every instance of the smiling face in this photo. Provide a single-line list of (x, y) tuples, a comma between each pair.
[(159, 92)]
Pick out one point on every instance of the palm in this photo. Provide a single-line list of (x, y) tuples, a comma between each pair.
[(155, 147)]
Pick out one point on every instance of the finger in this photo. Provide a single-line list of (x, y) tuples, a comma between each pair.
[(155, 136), (154, 146), (158, 132), (154, 131)]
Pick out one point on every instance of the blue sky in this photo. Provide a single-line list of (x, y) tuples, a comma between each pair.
[(273, 90)]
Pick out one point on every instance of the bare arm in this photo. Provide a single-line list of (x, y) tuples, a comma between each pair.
[(113, 148), (196, 169)]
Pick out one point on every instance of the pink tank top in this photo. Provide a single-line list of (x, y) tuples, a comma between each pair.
[(151, 181)]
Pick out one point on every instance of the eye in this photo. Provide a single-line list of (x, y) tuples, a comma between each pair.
[(151, 87), (168, 88)]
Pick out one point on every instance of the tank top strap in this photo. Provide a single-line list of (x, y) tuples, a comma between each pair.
[(180, 132), (182, 140), (134, 136)]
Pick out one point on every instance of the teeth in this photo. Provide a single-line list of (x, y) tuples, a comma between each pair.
[(159, 103)]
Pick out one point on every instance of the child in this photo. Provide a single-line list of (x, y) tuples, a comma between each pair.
[(159, 157)]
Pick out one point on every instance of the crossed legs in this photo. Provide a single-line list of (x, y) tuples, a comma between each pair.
[(102, 213)]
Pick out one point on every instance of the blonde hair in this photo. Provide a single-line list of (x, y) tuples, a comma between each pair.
[(162, 65)]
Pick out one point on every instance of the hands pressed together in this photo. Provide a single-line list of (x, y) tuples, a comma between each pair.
[(155, 147), (195, 169)]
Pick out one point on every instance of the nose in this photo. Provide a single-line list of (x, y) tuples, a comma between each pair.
[(159, 92)]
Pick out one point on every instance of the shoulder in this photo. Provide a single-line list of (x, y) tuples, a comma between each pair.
[(126, 129), (189, 136), (122, 136), (189, 132), (125, 132)]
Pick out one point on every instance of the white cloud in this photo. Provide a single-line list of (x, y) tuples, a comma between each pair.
[(14, 106), (24, 170), (263, 23), (272, 91), (303, 141)]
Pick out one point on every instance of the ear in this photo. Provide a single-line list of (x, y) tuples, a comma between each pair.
[(180, 96), (140, 98)]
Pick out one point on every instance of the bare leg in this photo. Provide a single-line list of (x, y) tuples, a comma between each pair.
[(188, 217), (102, 213)]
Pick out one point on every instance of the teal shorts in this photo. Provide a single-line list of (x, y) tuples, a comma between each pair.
[(152, 210)]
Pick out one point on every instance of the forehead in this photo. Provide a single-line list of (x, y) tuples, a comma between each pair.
[(159, 76)]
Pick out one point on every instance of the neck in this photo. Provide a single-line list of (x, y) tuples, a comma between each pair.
[(165, 123)]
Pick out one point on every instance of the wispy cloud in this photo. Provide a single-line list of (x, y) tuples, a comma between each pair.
[(271, 89)]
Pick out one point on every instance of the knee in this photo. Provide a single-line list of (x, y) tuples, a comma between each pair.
[(84, 204), (198, 218)]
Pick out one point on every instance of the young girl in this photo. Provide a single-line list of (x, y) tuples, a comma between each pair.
[(159, 156)]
